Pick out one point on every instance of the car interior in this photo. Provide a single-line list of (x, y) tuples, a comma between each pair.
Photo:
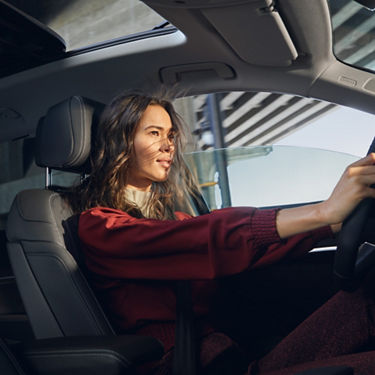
[(256, 52)]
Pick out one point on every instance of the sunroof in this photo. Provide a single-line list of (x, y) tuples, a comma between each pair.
[(353, 28), (82, 23)]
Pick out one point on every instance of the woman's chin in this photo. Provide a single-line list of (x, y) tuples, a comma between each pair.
[(161, 178)]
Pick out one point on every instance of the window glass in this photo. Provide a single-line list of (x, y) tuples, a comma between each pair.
[(240, 119), (81, 22), (257, 168), (353, 28), (267, 175)]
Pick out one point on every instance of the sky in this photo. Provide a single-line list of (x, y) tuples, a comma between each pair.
[(343, 129)]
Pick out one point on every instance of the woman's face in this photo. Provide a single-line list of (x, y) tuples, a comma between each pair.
[(153, 149)]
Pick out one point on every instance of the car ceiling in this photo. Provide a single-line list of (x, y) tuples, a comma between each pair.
[(221, 45)]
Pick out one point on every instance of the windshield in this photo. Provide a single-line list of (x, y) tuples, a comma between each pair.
[(353, 28), (263, 176), (82, 23)]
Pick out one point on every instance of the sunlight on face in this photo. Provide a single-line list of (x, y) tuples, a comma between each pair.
[(153, 149)]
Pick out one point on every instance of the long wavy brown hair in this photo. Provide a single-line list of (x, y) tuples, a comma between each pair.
[(113, 152)]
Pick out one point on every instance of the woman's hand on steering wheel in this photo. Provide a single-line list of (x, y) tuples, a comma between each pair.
[(353, 186)]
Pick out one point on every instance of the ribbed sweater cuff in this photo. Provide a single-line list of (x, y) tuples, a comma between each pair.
[(263, 224)]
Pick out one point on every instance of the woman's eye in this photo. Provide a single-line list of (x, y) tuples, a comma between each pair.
[(155, 132)]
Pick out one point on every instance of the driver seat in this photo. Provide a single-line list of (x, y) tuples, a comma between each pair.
[(43, 244)]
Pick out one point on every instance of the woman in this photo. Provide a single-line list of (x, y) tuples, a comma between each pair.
[(135, 241)]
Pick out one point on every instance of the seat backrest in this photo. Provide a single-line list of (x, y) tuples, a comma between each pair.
[(41, 232)]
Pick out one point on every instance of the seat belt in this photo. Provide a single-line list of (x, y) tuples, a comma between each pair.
[(186, 350), (185, 359)]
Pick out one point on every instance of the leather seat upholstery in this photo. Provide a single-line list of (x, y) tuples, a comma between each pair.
[(42, 241)]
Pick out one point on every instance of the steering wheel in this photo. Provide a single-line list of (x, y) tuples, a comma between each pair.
[(354, 256)]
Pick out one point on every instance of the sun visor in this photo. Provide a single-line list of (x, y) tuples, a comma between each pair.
[(253, 28), (258, 36)]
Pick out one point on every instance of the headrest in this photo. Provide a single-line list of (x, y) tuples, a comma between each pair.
[(63, 136)]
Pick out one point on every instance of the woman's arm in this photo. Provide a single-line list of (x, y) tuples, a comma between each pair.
[(224, 242), (353, 186)]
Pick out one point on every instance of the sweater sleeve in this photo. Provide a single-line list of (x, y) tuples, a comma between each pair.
[(223, 242)]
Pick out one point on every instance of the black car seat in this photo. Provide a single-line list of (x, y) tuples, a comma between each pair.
[(42, 243)]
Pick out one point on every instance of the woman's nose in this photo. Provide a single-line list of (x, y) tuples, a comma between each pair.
[(166, 145)]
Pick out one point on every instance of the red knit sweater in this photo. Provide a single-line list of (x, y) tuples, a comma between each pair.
[(132, 261)]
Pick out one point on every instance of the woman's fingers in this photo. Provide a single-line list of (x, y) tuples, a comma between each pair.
[(361, 170), (361, 175), (366, 180), (367, 160), (353, 186)]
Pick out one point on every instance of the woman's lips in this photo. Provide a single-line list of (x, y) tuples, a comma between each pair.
[(165, 163)]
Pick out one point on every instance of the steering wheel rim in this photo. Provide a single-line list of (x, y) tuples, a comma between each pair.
[(350, 239), (348, 243)]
